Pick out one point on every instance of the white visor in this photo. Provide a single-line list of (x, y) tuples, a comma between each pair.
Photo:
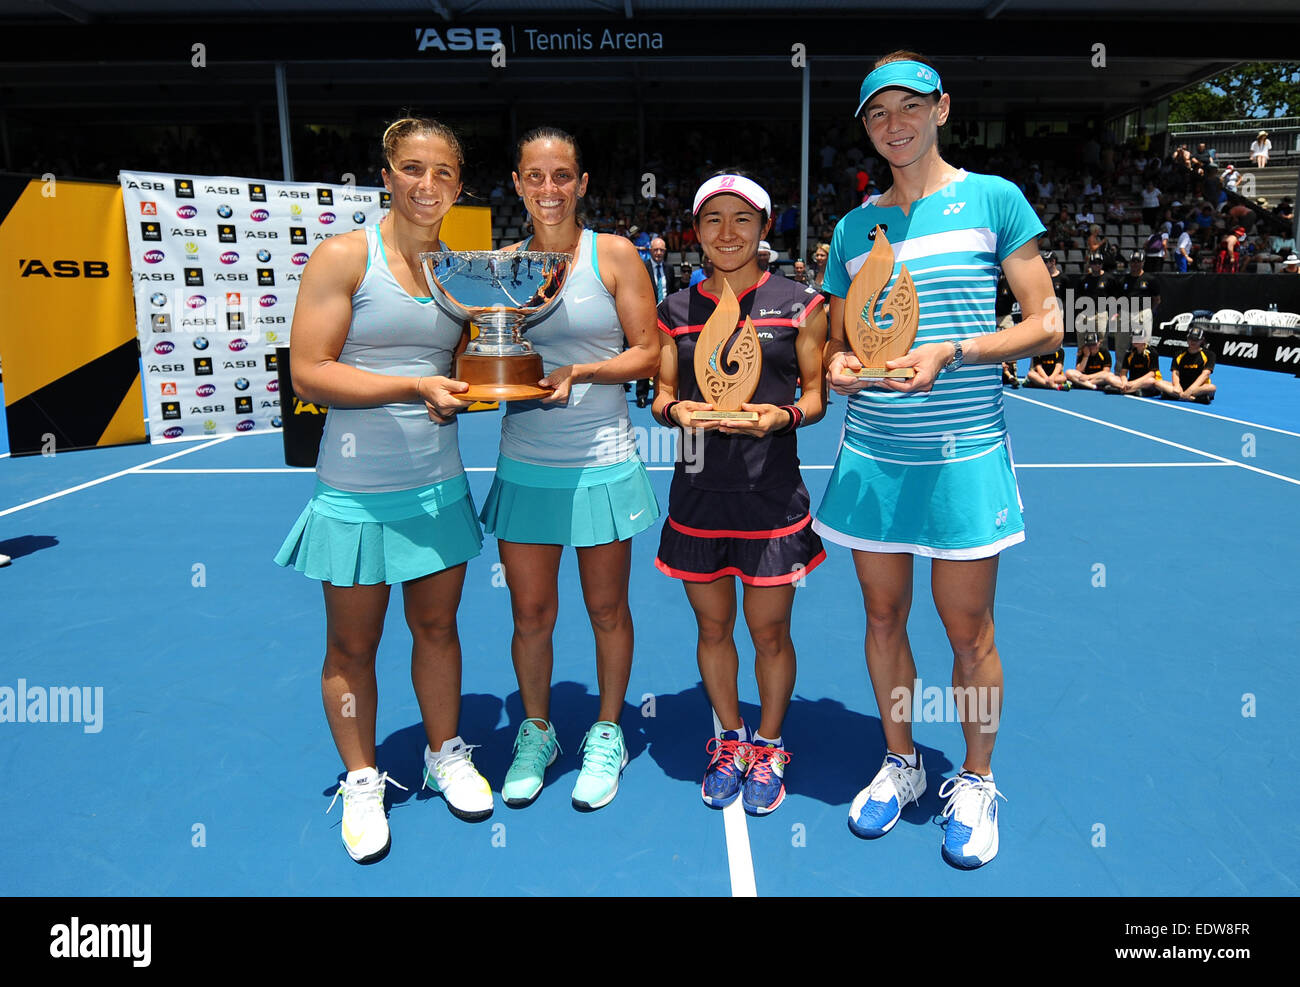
[(746, 188)]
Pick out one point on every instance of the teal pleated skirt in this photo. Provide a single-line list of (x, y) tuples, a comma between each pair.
[(557, 505), (347, 538)]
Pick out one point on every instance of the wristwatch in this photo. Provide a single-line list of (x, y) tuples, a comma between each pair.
[(955, 362)]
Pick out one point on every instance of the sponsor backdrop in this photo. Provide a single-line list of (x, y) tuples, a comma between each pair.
[(216, 264), (67, 332)]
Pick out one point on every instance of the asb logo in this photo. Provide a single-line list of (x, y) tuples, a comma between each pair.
[(224, 211), (229, 257), (175, 432), (257, 193), (205, 390), (273, 385), (299, 258), (298, 234), (327, 218), (238, 344), (193, 277), (163, 348), (259, 215), (153, 256), (265, 277), (150, 231), (187, 212), (245, 426), (148, 209), (325, 197), (184, 188), (158, 299), (241, 384), (358, 217), (200, 343), (266, 301), (203, 366), (263, 255)]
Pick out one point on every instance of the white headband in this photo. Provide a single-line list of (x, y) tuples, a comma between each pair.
[(746, 188)]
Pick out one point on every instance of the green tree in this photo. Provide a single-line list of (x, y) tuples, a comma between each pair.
[(1251, 89)]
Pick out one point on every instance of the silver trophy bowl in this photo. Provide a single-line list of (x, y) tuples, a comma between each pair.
[(501, 292)]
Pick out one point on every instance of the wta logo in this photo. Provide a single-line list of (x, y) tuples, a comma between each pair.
[(196, 301), (273, 385), (175, 432), (187, 212), (238, 344), (229, 257), (205, 390), (327, 218), (245, 426), (259, 215), (153, 256), (266, 301), (299, 258), (163, 348)]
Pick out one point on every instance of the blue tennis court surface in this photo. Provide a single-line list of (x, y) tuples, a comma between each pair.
[(1147, 628)]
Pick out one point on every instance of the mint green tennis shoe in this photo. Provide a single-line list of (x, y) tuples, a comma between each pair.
[(535, 751), (604, 756)]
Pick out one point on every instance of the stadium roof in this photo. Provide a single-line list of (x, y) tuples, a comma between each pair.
[(1027, 57)]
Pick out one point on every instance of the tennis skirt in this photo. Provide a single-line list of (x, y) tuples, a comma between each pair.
[(965, 508), (764, 537), (569, 505), (347, 538)]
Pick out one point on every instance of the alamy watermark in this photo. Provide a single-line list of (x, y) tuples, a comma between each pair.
[(55, 704), (949, 704)]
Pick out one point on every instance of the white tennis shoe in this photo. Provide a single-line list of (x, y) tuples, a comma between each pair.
[(365, 826), (452, 773)]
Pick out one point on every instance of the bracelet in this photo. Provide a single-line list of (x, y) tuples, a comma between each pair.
[(668, 415), (796, 419)]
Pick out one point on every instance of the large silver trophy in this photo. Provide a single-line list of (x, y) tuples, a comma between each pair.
[(501, 292)]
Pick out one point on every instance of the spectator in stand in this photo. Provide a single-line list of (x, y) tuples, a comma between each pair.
[(1229, 258), (1116, 213), (1183, 248), (1291, 265), (1156, 246), (1204, 157), (800, 271), (1085, 217), (1091, 189), (1230, 177), (1062, 230), (1204, 218), (1059, 280), (820, 256), (1048, 371), (764, 258), (705, 270), (1260, 148), (1045, 188), (1092, 365), (1139, 371), (1189, 375), (1150, 204), (1099, 244)]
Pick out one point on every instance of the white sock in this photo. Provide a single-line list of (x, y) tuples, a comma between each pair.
[(760, 739), (911, 760), (366, 776)]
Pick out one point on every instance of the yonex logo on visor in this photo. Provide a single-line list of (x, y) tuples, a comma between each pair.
[(746, 188), (911, 75)]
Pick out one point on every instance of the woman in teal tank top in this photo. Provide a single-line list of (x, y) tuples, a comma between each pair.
[(391, 503), (569, 473)]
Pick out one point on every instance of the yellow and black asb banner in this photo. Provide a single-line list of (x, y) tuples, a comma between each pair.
[(67, 319)]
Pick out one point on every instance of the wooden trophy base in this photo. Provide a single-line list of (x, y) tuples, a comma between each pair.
[(882, 373), (722, 416), (501, 378)]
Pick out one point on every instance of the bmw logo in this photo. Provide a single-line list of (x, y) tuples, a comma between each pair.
[(276, 423), (158, 299), (200, 342), (358, 217), (264, 255), (241, 384), (225, 212)]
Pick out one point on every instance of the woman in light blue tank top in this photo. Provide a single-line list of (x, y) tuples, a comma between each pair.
[(569, 473), (391, 503)]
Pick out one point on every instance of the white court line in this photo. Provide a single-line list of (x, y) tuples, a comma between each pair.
[(1179, 406), (1155, 438), (739, 859), (1105, 466), (113, 476)]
